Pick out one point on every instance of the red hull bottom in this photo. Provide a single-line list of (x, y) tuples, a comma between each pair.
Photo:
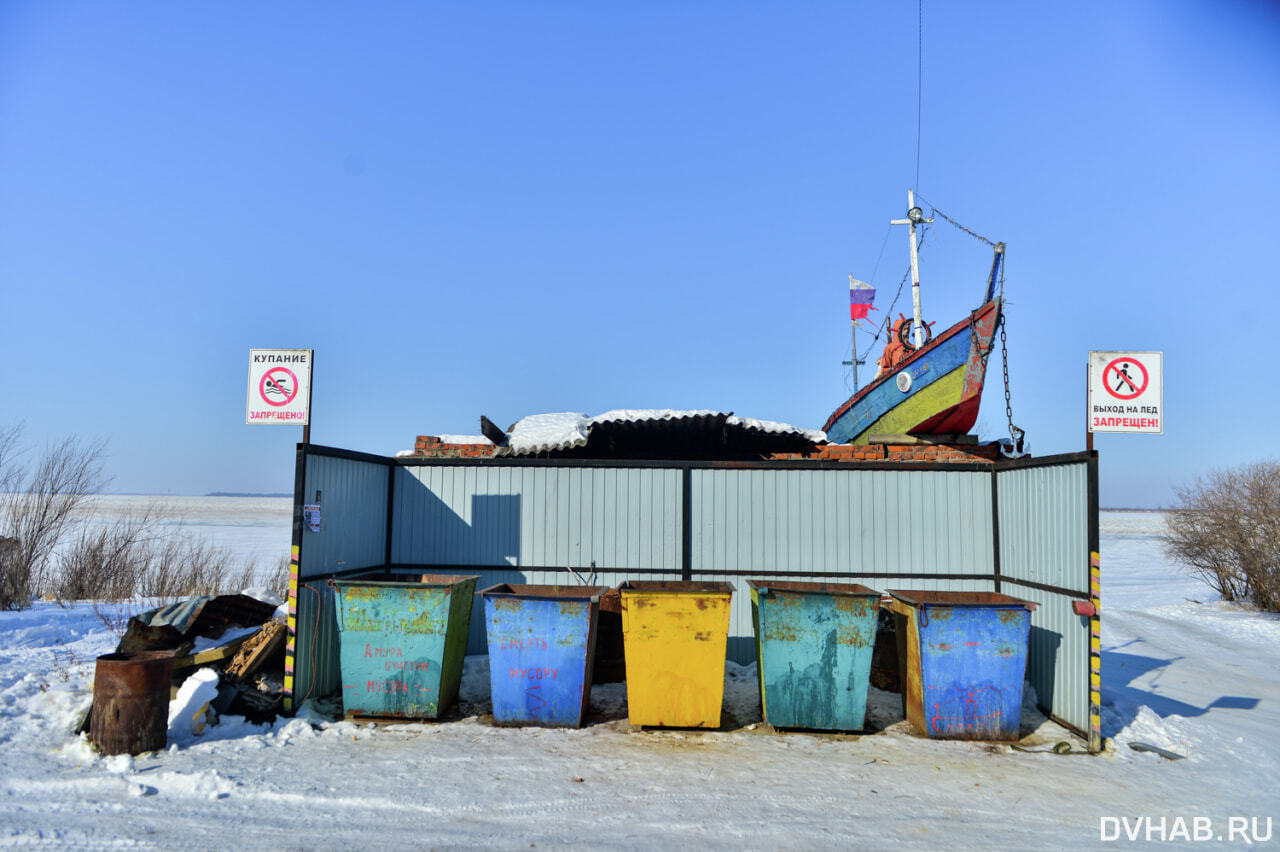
[(956, 420)]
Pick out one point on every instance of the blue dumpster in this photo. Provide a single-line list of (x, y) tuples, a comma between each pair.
[(402, 642), (813, 652), (964, 655), (541, 651)]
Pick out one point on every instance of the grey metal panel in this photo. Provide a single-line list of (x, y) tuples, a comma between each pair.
[(618, 518), (353, 515), (842, 520), (317, 665), (1058, 655), (1044, 538), (1044, 530)]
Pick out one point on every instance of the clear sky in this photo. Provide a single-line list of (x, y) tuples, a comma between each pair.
[(515, 208)]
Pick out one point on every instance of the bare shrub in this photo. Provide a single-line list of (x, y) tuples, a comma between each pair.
[(108, 563), (185, 567), (278, 581), (1226, 527), (36, 505)]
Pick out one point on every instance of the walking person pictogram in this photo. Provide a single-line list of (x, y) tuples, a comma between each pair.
[(1123, 384)]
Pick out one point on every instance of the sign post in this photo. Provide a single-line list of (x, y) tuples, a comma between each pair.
[(279, 392), (1126, 393)]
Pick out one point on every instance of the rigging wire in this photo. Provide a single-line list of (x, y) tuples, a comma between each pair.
[(888, 314), (919, 82)]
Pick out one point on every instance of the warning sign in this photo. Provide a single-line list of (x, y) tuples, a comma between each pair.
[(1126, 392), (279, 387)]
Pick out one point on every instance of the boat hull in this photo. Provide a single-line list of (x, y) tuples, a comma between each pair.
[(945, 390)]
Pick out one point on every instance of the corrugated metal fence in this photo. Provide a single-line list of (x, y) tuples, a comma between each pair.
[(1025, 528)]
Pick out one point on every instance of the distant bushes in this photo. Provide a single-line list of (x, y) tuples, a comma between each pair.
[(1226, 527), (46, 552)]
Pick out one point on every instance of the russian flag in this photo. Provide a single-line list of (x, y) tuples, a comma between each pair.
[(861, 296)]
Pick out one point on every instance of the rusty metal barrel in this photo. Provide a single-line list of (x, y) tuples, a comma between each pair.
[(131, 702)]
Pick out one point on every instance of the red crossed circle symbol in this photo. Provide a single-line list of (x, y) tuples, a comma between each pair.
[(1116, 374), (277, 390)]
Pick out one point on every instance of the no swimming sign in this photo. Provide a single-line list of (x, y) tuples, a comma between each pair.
[(279, 391)]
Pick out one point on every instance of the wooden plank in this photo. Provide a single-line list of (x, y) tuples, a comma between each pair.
[(213, 655), (256, 651)]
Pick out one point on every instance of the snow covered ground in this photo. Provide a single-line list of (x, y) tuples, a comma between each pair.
[(1180, 670)]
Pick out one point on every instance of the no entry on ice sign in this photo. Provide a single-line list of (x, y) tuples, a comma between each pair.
[(279, 387), (1126, 392)]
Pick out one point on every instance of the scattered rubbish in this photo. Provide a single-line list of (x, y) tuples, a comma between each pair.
[(256, 651), (1060, 747), (177, 627), (1165, 753), (189, 711), (225, 639), (131, 697)]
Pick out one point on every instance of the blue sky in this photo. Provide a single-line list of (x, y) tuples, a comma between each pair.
[(514, 208)]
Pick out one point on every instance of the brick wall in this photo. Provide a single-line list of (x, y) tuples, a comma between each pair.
[(897, 452), (430, 446)]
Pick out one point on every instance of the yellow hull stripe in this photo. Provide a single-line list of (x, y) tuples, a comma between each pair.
[(914, 410)]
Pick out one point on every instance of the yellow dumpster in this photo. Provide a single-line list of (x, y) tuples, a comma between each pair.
[(673, 637)]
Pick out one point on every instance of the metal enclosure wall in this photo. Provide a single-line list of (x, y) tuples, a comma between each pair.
[(887, 529), (1044, 515), (621, 521), (1024, 528), (352, 495), (617, 518)]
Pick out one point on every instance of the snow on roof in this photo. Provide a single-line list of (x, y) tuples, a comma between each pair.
[(464, 439), (540, 433)]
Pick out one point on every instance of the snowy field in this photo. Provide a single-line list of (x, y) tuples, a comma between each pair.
[(1180, 670)]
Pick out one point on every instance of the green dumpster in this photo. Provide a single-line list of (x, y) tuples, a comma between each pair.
[(402, 642)]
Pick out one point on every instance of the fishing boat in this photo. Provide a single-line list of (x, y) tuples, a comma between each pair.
[(927, 384)]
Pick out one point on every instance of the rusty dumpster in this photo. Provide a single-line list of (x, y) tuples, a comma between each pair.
[(813, 652), (674, 635), (541, 651), (402, 642), (963, 657)]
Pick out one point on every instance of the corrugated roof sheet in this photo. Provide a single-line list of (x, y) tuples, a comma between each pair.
[(566, 431)]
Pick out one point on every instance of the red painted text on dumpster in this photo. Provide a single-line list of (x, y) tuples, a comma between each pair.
[(407, 665), (524, 644), (374, 653), (378, 687), (533, 674)]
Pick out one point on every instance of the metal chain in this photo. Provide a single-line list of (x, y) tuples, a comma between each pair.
[(935, 211), (1004, 354), (1016, 435)]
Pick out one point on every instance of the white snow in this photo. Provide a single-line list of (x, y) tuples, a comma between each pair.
[(464, 439), (1197, 678), (560, 430)]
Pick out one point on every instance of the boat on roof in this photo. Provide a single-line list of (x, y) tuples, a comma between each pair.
[(927, 384)]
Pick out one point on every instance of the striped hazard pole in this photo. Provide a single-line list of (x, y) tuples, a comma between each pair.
[(1095, 654), (290, 647)]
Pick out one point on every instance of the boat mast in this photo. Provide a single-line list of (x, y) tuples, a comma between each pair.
[(915, 216)]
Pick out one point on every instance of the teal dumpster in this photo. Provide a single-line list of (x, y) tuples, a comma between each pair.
[(541, 650), (963, 656), (813, 652), (402, 642)]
